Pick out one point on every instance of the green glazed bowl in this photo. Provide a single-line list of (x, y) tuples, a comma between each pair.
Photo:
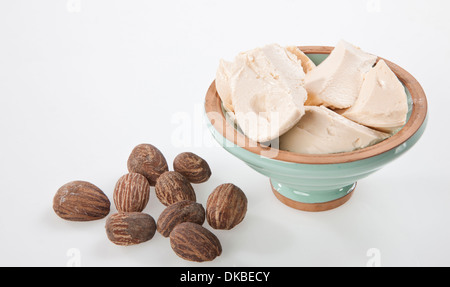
[(319, 182)]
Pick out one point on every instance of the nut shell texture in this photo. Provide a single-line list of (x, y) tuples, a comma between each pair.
[(193, 167), (81, 201), (130, 228), (226, 207), (193, 242), (148, 161), (172, 187), (182, 211), (132, 193)]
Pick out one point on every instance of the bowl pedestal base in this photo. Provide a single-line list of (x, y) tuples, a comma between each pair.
[(281, 192)]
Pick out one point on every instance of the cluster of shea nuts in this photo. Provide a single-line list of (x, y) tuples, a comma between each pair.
[(183, 218)]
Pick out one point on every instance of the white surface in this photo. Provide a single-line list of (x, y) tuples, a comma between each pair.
[(83, 82)]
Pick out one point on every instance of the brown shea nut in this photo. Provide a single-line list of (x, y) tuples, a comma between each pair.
[(131, 193), (192, 167), (130, 228), (81, 201), (172, 187), (148, 161), (193, 242), (226, 207), (182, 211)]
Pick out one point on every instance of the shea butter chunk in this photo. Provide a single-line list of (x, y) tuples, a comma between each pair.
[(382, 103), (322, 131), (264, 87), (337, 81)]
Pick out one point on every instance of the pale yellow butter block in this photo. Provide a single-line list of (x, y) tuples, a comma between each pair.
[(322, 131), (264, 87), (337, 81), (223, 85), (382, 102)]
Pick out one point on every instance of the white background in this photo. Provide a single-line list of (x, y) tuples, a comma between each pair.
[(82, 82)]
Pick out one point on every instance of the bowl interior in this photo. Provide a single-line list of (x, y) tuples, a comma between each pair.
[(417, 112), (317, 59)]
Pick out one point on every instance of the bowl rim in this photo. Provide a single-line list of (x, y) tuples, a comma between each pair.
[(215, 115)]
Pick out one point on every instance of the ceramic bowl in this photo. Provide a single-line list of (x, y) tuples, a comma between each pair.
[(319, 182)]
